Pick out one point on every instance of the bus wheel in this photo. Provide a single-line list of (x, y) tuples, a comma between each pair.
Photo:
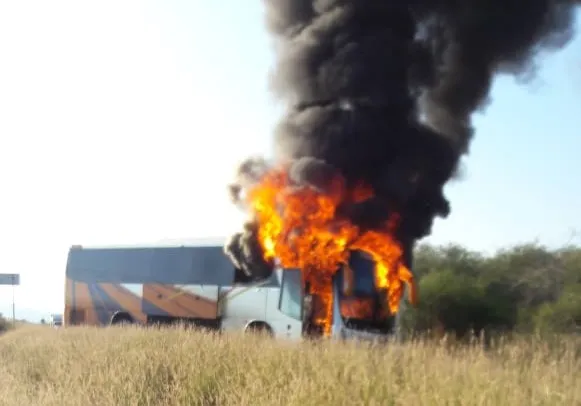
[(121, 319), (259, 328)]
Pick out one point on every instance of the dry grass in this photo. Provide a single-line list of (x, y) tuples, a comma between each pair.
[(86, 366)]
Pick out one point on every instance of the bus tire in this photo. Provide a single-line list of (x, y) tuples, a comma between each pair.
[(259, 328), (121, 319)]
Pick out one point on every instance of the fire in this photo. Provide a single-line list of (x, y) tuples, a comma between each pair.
[(300, 227)]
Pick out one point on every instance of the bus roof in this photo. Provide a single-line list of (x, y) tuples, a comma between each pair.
[(169, 243), (199, 264)]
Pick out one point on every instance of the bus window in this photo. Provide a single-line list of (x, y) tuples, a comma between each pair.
[(290, 302), (362, 270)]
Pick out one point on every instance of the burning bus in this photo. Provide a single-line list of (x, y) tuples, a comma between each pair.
[(347, 271), (198, 285)]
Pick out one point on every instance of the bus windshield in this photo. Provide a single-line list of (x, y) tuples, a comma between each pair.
[(363, 275)]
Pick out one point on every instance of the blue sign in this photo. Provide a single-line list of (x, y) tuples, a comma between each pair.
[(9, 279)]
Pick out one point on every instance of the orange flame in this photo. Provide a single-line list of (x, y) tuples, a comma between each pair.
[(300, 228)]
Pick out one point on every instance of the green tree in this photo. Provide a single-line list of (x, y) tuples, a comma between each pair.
[(452, 257), (562, 316), (523, 287), (453, 303)]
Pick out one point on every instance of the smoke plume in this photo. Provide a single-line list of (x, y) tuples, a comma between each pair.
[(382, 91)]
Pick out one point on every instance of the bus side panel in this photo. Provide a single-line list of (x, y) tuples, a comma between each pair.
[(201, 299), (183, 301), (68, 301), (122, 299), (282, 325), (95, 303), (80, 307), (242, 305), (179, 282)]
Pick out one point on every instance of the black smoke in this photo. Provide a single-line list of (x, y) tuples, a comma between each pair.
[(383, 91)]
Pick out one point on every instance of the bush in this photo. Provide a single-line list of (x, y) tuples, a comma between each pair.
[(562, 316), (5, 325), (523, 289), (456, 303)]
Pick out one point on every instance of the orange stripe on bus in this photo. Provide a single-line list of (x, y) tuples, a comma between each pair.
[(68, 301), (127, 300), (154, 294), (84, 302), (201, 306)]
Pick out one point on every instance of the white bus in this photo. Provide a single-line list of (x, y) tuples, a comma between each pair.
[(198, 284)]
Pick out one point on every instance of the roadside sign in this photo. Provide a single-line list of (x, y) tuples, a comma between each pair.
[(9, 279)]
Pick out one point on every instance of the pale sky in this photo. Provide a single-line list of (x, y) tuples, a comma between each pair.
[(121, 122)]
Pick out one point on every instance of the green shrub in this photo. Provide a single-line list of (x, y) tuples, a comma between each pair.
[(5, 325), (455, 303), (562, 316), (522, 289)]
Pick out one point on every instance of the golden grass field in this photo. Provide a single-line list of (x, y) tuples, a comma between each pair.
[(131, 366)]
